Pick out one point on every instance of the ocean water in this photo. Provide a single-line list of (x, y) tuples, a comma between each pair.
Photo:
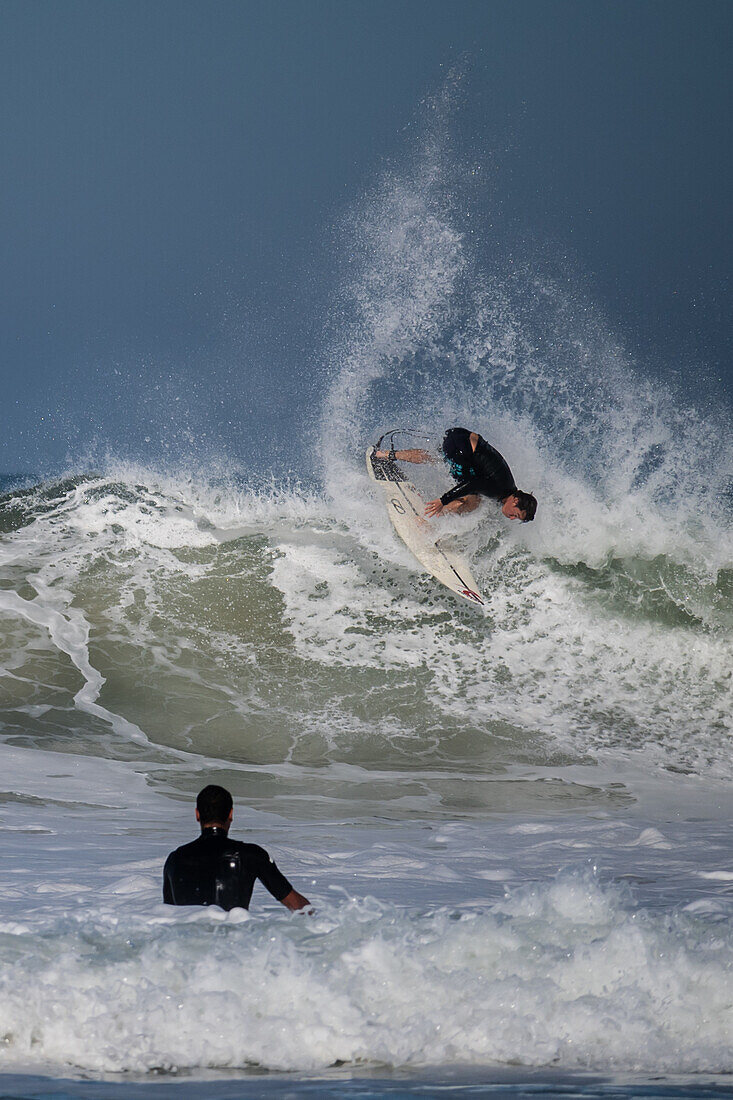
[(515, 823)]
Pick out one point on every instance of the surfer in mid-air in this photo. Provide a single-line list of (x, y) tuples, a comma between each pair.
[(479, 470)]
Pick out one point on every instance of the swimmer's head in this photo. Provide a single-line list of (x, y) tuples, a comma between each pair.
[(213, 805)]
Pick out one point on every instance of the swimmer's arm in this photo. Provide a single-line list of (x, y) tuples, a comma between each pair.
[(274, 880), (295, 901)]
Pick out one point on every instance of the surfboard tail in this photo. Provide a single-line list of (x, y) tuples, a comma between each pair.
[(405, 507)]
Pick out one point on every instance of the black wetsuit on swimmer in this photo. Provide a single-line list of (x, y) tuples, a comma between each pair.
[(482, 471), (214, 870)]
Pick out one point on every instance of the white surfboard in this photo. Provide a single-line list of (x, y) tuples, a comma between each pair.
[(405, 507)]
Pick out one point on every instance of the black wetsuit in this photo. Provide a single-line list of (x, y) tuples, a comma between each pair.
[(482, 471), (214, 870)]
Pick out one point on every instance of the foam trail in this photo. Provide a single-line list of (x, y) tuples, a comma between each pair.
[(70, 634)]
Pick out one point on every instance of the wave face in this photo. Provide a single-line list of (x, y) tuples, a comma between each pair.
[(277, 629)]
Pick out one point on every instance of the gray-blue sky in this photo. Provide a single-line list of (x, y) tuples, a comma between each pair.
[(171, 172)]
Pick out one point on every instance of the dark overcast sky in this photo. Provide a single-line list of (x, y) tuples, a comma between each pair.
[(171, 173)]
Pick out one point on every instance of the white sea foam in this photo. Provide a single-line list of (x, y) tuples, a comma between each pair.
[(545, 655), (565, 972)]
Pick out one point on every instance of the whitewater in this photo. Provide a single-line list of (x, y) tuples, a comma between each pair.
[(515, 822)]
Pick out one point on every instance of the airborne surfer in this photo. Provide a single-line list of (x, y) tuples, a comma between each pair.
[(478, 469)]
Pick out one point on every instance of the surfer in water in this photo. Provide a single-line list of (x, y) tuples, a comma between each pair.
[(214, 870), (479, 470)]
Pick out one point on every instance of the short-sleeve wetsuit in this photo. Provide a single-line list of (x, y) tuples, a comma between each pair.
[(482, 471), (214, 870)]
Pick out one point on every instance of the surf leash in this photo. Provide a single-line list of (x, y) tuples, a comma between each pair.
[(391, 434)]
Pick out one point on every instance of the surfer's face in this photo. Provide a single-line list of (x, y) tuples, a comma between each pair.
[(511, 509)]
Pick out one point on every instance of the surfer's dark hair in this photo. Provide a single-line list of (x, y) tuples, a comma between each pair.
[(213, 804), (527, 503)]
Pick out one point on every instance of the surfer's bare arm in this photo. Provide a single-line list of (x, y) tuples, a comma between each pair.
[(410, 455), (459, 507)]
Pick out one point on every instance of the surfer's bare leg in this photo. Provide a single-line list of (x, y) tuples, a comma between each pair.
[(410, 455)]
